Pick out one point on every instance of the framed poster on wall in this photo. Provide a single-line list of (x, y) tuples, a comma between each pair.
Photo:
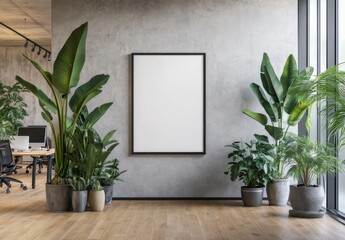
[(168, 103)]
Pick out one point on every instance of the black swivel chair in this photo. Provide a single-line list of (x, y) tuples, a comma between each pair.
[(7, 167)]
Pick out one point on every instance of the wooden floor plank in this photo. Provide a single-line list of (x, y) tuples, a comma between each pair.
[(23, 215)]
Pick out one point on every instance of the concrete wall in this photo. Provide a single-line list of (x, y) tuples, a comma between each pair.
[(234, 34), (13, 63)]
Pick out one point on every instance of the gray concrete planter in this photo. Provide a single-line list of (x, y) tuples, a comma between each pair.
[(252, 197), (306, 201), (278, 192), (79, 200), (58, 197), (108, 191)]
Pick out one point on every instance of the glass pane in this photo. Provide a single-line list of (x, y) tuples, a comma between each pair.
[(341, 58), (313, 46)]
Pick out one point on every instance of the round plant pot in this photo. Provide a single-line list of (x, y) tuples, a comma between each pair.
[(79, 200), (306, 201), (58, 197), (97, 200), (252, 197), (278, 192), (108, 191)]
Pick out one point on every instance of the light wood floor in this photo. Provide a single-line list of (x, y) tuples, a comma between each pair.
[(23, 216)]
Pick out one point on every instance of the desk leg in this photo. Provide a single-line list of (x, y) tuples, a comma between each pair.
[(34, 162), (50, 166)]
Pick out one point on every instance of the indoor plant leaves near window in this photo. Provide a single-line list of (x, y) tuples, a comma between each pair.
[(282, 110), (250, 162), (65, 76), (307, 161)]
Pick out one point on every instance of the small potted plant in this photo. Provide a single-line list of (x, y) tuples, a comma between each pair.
[(250, 162), (110, 173), (96, 196), (79, 193), (308, 160)]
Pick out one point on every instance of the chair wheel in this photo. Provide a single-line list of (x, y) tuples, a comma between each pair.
[(25, 188), (27, 171), (7, 191), (21, 185), (15, 172), (39, 171)]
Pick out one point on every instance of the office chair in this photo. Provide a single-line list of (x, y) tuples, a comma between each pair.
[(6, 166)]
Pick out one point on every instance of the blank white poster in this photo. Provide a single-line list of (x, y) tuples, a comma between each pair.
[(168, 103)]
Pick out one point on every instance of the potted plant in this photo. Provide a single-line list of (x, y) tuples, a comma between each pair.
[(12, 109), (89, 157), (250, 163), (282, 111), (96, 196), (307, 161), (79, 193), (65, 76), (109, 174)]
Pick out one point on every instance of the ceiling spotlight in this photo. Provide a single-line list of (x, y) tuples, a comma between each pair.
[(33, 49), (39, 51), (45, 55), (26, 44), (49, 57)]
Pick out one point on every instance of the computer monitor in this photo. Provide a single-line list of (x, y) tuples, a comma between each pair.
[(37, 135)]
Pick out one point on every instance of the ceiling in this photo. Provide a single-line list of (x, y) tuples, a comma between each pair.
[(31, 18)]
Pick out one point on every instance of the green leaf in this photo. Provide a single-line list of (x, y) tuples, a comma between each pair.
[(298, 112), (270, 80), (47, 75), (84, 90), (289, 75), (108, 136), (70, 61), (42, 97), (256, 116), (262, 138), (275, 132), (269, 108), (95, 115)]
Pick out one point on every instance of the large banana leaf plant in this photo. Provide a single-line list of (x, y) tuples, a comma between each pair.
[(282, 109), (65, 76)]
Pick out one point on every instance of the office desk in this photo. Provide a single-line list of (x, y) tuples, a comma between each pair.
[(36, 154)]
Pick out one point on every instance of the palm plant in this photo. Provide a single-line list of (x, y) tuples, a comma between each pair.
[(282, 108), (308, 160), (328, 87), (65, 76)]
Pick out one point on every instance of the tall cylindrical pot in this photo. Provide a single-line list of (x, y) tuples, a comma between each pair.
[(278, 192), (79, 200), (97, 200), (108, 191)]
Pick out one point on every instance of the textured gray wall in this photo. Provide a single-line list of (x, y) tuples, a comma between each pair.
[(234, 34), (13, 63)]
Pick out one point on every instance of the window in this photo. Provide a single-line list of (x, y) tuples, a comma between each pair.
[(321, 45)]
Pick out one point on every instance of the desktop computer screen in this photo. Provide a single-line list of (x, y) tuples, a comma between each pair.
[(37, 135)]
